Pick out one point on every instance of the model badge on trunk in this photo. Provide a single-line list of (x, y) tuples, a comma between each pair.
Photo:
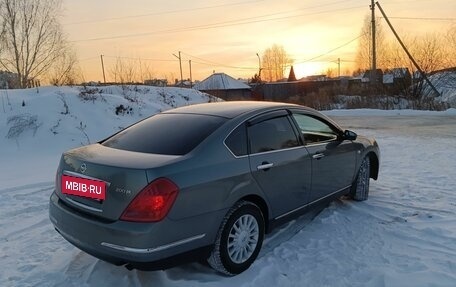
[(123, 191)]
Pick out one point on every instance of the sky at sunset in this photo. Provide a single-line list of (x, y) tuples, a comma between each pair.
[(225, 36)]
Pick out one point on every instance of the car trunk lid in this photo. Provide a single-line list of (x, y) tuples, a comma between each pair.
[(121, 173)]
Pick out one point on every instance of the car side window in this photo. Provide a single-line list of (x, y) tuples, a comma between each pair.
[(237, 141), (272, 134), (314, 130)]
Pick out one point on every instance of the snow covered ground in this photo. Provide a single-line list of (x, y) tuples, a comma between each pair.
[(404, 235)]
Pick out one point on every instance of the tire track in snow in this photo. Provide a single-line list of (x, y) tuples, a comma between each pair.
[(28, 240), (26, 187)]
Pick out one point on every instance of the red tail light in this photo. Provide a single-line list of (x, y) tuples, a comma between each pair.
[(152, 203)]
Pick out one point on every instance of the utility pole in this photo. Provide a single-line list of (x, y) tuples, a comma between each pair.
[(259, 67), (373, 78), (258, 85), (102, 67), (190, 65), (338, 68), (180, 66)]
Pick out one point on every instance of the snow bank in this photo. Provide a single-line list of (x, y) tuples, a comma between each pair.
[(445, 83), (37, 125)]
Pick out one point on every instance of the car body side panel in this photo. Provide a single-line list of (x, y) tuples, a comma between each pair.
[(333, 167), (287, 183), (207, 183)]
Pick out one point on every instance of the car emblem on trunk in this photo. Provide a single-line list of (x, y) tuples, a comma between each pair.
[(83, 168)]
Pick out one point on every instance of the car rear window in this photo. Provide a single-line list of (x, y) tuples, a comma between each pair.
[(169, 134)]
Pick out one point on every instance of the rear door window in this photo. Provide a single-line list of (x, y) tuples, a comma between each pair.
[(169, 134)]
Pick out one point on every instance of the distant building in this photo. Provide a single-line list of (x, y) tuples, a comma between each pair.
[(397, 76), (225, 87), (156, 82), (183, 84), (378, 76), (318, 78), (397, 80)]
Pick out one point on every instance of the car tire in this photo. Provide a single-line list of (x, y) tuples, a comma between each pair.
[(239, 239), (360, 188)]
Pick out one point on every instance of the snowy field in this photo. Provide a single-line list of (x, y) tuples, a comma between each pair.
[(404, 235)]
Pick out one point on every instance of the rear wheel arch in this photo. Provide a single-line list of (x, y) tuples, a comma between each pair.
[(261, 203)]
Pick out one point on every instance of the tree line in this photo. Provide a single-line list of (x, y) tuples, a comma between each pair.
[(433, 51)]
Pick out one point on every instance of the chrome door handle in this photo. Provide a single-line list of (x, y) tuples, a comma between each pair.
[(318, 156), (265, 166)]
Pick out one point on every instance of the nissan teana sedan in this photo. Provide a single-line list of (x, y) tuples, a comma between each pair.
[(205, 182)]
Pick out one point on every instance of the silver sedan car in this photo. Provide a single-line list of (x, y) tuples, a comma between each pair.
[(205, 182)]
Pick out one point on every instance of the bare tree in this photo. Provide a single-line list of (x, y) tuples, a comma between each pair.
[(124, 71), (170, 78), (66, 70), (450, 39), (429, 52), (364, 51), (146, 72), (32, 39), (330, 73), (274, 63)]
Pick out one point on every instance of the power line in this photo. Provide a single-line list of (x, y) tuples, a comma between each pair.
[(196, 9), (88, 59), (332, 50), (242, 21), (212, 63), (140, 58), (217, 64), (423, 18), (227, 66), (160, 13), (208, 62)]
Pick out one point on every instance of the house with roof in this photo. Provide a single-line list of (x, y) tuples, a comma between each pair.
[(367, 75), (156, 82), (397, 76), (397, 80), (225, 87)]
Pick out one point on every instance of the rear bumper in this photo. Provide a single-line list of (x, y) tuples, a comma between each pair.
[(141, 245)]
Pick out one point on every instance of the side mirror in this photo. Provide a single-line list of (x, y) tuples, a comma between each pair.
[(349, 135)]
